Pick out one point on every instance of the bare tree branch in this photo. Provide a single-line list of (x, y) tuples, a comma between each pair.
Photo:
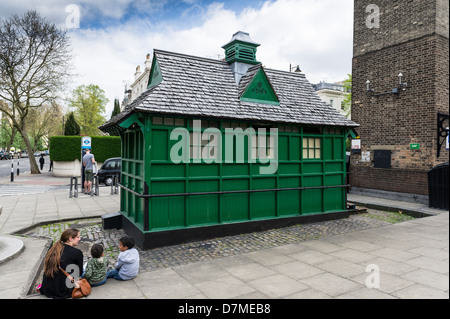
[(35, 64)]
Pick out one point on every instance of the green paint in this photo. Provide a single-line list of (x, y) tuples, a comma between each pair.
[(146, 157), (155, 74), (260, 90), (238, 51)]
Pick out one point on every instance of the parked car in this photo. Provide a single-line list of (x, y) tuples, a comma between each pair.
[(4, 155), (109, 169)]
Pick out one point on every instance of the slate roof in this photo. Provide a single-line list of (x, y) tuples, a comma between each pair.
[(205, 88)]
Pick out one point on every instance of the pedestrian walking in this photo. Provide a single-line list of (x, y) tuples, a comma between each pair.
[(42, 161), (88, 163)]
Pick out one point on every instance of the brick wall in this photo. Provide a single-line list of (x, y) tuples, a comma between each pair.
[(412, 39), (388, 180)]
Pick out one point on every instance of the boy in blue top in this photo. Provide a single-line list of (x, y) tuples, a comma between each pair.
[(127, 266)]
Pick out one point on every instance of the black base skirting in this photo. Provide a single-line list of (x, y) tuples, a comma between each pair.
[(149, 240)]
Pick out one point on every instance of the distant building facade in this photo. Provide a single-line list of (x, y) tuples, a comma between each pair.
[(333, 94), (140, 83)]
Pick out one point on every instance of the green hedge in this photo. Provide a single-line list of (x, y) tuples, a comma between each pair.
[(68, 148)]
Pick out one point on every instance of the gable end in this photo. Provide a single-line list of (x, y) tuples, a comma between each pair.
[(259, 90), (155, 74)]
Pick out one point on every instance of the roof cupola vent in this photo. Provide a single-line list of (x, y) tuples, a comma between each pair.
[(241, 48), (240, 53)]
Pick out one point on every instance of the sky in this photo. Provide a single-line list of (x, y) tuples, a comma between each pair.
[(110, 38)]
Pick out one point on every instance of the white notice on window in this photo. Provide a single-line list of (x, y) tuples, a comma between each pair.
[(356, 144), (365, 156)]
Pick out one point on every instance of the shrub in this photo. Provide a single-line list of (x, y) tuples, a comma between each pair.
[(68, 148), (71, 128), (104, 147), (65, 148)]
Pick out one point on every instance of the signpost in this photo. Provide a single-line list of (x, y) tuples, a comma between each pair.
[(86, 142)]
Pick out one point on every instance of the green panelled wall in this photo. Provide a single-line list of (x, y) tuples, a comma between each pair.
[(146, 158)]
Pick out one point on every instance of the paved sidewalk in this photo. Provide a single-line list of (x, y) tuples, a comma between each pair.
[(412, 258)]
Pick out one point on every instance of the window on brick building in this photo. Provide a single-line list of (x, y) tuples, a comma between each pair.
[(382, 158)]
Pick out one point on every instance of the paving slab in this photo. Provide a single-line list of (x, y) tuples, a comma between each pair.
[(165, 284), (428, 278), (331, 284), (418, 291), (10, 247), (224, 288), (297, 270), (277, 286)]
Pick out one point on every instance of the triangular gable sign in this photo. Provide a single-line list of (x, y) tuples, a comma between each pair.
[(260, 90), (155, 74)]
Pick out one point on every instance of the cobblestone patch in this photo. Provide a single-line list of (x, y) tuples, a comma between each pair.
[(170, 256)]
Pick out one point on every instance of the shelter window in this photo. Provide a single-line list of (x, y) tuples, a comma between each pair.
[(288, 128), (333, 131), (234, 125), (311, 148), (169, 121)]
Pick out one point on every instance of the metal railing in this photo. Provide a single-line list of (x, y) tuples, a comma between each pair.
[(73, 190)]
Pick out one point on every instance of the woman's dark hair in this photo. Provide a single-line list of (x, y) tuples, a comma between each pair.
[(127, 241), (52, 259), (96, 250)]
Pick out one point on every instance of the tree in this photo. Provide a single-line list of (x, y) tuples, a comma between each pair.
[(348, 99), (348, 103), (89, 103), (7, 131), (34, 67), (42, 123), (71, 127), (116, 109), (115, 112)]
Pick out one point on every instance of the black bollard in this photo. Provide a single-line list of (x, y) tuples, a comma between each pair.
[(12, 171), (18, 171)]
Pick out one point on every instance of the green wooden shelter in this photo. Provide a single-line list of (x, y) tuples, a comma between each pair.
[(215, 148)]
